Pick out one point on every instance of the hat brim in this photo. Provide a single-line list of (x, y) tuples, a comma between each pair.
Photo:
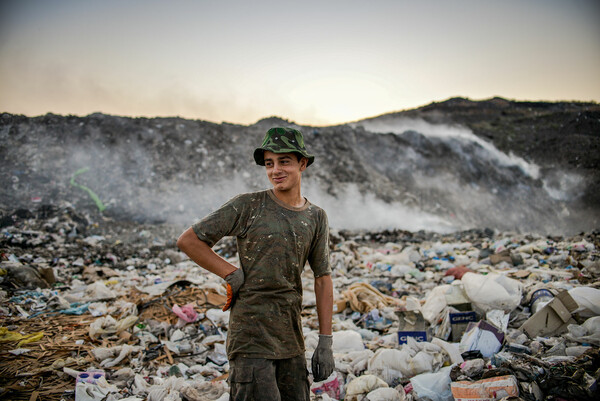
[(259, 156)]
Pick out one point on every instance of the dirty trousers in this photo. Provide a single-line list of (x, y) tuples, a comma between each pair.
[(258, 379)]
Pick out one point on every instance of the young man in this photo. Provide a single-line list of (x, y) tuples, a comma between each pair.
[(277, 232)]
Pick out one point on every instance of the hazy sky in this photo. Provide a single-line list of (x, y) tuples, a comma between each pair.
[(312, 62)]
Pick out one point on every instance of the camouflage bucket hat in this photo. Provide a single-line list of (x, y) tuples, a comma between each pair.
[(282, 140)]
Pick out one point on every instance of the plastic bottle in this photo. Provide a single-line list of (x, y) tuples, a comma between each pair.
[(539, 299)]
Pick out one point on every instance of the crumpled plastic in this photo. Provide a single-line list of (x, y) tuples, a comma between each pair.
[(96, 391), (420, 357), (7, 336), (363, 385), (205, 391), (588, 332), (108, 325), (588, 299), (98, 291), (354, 362), (186, 312), (330, 386), (386, 364), (109, 357)]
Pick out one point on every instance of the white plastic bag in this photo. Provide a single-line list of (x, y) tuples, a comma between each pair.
[(363, 385), (347, 340), (435, 303), (98, 291), (588, 299), (492, 291), (385, 394), (433, 386), (386, 364)]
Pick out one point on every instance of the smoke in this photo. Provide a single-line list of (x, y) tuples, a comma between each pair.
[(563, 186), (435, 177), (355, 211), (400, 125)]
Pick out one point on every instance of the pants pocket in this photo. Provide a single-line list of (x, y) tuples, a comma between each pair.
[(241, 384)]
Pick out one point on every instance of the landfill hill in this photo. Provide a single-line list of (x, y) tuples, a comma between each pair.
[(453, 165)]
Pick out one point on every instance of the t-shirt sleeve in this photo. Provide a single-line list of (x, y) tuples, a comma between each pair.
[(318, 257), (228, 220)]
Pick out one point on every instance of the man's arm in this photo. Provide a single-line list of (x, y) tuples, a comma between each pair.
[(203, 255), (322, 362), (324, 295)]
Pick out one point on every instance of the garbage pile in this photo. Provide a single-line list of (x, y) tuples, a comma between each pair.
[(109, 311)]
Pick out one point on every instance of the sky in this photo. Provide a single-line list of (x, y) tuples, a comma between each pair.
[(310, 62)]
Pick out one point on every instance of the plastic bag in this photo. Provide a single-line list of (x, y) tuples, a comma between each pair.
[(435, 303), (363, 385), (98, 291), (385, 394), (433, 386), (588, 332), (492, 291), (331, 387), (387, 364), (347, 340), (186, 312), (588, 299)]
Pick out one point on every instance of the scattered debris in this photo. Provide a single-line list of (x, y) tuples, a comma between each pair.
[(110, 311)]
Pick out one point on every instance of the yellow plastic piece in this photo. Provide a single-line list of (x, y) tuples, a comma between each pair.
[(31, 338)]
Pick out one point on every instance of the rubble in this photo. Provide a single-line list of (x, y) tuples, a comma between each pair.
[(103, 309)]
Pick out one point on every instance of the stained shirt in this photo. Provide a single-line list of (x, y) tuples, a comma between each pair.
[(274, 242)]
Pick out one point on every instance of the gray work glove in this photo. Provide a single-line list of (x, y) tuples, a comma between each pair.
[(234, 280), (322, 359)]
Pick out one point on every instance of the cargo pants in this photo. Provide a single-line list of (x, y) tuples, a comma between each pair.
[(258, 379)]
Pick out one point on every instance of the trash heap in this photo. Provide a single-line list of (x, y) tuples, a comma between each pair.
[(106, 310)]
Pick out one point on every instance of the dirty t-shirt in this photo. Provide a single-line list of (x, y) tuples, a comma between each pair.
[(274, 242)]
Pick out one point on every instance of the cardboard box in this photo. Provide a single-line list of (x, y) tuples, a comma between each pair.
[(483, 337), (411, 321), (411, 324), (459, 322), (553, 318)]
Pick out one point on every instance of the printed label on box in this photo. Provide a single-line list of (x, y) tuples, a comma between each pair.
[(417, 335), (463, 317)]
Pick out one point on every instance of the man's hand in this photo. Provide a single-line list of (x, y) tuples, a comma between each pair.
[(234, 280), (322, 359)]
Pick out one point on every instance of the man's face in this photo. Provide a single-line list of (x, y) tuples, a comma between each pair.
[(284, 170)]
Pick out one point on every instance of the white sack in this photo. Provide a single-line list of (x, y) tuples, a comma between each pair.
[(492, 291)]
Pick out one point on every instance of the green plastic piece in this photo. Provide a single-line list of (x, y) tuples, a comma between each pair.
[(92, 194)]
